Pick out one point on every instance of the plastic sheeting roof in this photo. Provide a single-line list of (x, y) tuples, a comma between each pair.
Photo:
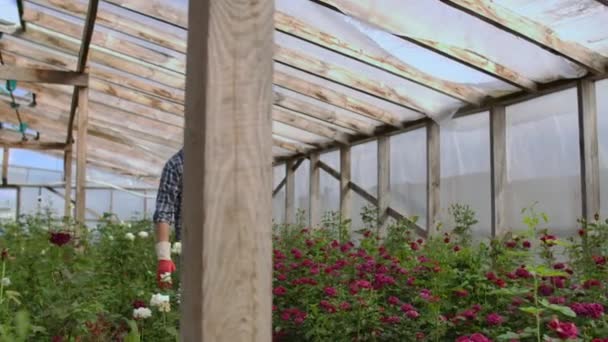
[(345, 70)]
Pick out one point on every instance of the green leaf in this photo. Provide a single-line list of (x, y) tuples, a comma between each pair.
[(133, 333), (545, 271), (510, 291), (22, 325), (509, 336), (531, 310)]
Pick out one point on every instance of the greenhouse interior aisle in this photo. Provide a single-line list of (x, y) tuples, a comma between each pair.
[(438, 168)]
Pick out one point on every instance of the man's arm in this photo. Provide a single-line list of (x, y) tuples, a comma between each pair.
[(166, 201)]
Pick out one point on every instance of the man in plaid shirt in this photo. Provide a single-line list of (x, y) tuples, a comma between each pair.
[(168, 211)]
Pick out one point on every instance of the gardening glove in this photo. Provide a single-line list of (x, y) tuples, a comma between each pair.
[(165, 264)]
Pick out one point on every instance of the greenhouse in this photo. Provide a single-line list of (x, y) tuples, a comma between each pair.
[(353, 170)]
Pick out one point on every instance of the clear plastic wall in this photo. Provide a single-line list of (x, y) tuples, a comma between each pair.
[(465, 168), (330, 187), (543, 161)]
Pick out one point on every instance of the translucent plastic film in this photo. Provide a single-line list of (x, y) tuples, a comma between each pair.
[(408, 174), (465, 169), (543, 160), (278, 200)]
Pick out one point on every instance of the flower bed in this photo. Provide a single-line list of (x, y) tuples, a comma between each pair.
[(328, 285), (443, 289)]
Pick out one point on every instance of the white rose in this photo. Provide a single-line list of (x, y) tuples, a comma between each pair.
[(130, 236), (142, 313), (5, 281), (176, 248), (143, 234), (161, 302)]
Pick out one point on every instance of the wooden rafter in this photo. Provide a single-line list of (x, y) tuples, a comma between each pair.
[(346, 77), (296, 27), (33, 145), (466, 57), (534, 32), (43, 76), (332, 116), (335, 98), (291, 118)]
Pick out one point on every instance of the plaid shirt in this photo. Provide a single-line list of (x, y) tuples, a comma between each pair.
[(169, 197)]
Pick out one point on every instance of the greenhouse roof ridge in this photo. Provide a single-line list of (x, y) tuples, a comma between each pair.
[(345, 71)]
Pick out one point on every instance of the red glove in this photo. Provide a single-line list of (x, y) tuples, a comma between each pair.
[(164, 266)]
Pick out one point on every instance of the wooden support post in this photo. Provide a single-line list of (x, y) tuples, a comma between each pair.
[(498, 167), (384, 182), (67, 178), (433, 169), (81, 154), (5, 161), (588, 138), (345, 176), (290, 192), (227, 269), (314, 196)]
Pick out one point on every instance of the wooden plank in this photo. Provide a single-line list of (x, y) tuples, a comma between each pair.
[(335, 98), (126, 21), (290, 146), (161, 10), (314, 191), (345, 177), (328, 115), (290, 192), (81, 154), (296, 27), (498, 168), (532, 31), (433, 168), (589, 149), (467, 57), (227, 291), (8, 29), (67, 178), (105, 38), (347, 77), (43, 76), (34, 145), (329, 170), (384, 182), (364, 194), (5, 161)]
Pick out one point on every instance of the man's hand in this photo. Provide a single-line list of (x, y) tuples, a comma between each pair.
[(163, 253), (164, 267)]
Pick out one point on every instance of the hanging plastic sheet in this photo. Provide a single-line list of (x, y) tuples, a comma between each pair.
[(465, 169), (601, 89), (543, 161)]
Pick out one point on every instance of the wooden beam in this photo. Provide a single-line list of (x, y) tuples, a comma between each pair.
[(346, 77), (81, 154), (8, 29), (371, 199), (43, 76), (498, 168), (384, 182), (534, 32), (290, 146), (335, 98), (314, 191), (290, 193), (291, 118), (34, 145), (5, 161), (470, 58), (282, 183), (345, 177), (159, 10), (433, 169), (335, 117), (385, 62), (227, 173), (589, 149), (67, 178)]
